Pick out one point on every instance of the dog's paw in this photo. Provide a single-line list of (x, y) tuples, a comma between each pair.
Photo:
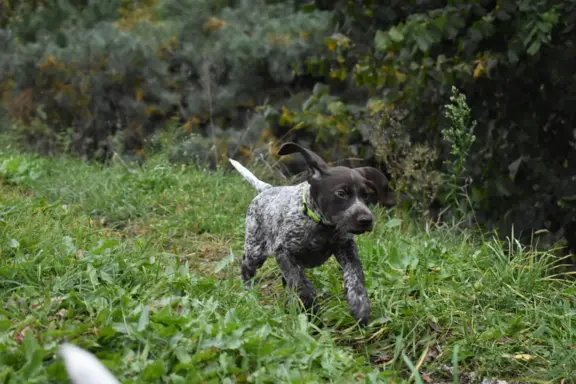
[(308, 298), (359, 306), (249, 284), (362, 314)]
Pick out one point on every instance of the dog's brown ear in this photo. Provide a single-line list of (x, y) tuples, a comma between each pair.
[(380, 183), (316, 164)]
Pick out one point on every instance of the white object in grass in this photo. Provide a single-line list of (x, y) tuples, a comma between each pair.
[(84, 368)]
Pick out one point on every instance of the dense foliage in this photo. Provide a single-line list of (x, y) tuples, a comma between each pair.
[(350, 79)]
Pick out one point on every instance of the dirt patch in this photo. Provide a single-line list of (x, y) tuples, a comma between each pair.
[(205, 251), (202, 251)]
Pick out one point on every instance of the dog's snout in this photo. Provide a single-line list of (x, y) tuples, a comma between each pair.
[(365, 220), (363, 223)]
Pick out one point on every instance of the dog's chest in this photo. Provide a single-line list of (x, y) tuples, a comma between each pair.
[(311, 248)]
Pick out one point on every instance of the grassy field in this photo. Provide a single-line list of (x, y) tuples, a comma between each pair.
[(140, 266)]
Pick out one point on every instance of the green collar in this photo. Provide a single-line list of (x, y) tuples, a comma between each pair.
[(307, 210)]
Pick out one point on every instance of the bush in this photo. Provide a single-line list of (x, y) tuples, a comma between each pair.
[(520, 166), (98, 77), (189, 60)]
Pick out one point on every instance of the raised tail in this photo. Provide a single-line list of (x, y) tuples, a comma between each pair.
[(83, 367), (249, 176)]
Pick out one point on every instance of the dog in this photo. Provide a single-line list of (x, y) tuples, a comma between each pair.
[(303, 225), (83, 367)]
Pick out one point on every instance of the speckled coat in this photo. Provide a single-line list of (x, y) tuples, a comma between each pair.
[(277, 226)]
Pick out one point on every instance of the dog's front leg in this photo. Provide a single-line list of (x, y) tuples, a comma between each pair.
[(355, 290)]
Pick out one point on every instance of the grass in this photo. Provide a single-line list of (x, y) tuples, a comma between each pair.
[(140, 266)]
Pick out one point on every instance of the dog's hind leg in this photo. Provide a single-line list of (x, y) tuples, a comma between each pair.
[(254, 257), (254, 252)]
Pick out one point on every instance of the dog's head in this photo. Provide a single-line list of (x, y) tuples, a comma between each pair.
[(342, 194)]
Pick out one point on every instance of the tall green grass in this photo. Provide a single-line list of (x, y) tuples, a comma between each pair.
[(140, 266)]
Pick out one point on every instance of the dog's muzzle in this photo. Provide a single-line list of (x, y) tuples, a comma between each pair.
[(364, 223)]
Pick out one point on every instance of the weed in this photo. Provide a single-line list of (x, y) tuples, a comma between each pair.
[(461, 138)]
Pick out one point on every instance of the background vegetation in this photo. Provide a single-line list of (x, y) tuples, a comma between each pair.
[(466, 105), (351, 79)]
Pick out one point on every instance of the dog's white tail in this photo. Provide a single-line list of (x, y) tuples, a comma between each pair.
[(249, 176), (84, 368)]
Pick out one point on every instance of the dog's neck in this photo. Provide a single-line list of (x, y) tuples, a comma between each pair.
[(310, 208)]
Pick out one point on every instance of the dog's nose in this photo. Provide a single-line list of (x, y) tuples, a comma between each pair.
[(365, 220)]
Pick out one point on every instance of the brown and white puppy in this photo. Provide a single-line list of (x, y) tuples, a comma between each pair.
[(305, 224)]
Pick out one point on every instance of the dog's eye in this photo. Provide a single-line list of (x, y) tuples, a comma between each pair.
[(341, 193)]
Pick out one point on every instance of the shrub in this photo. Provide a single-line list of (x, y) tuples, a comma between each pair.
[(191, 60)]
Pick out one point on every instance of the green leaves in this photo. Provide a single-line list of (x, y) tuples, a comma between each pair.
[(19, 170), (420, 32), (534, 47), (393, 223), (154, 371), (225, 262), (395, 34), (34, 354), (381, 41), (144, 319), (536, 30)]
